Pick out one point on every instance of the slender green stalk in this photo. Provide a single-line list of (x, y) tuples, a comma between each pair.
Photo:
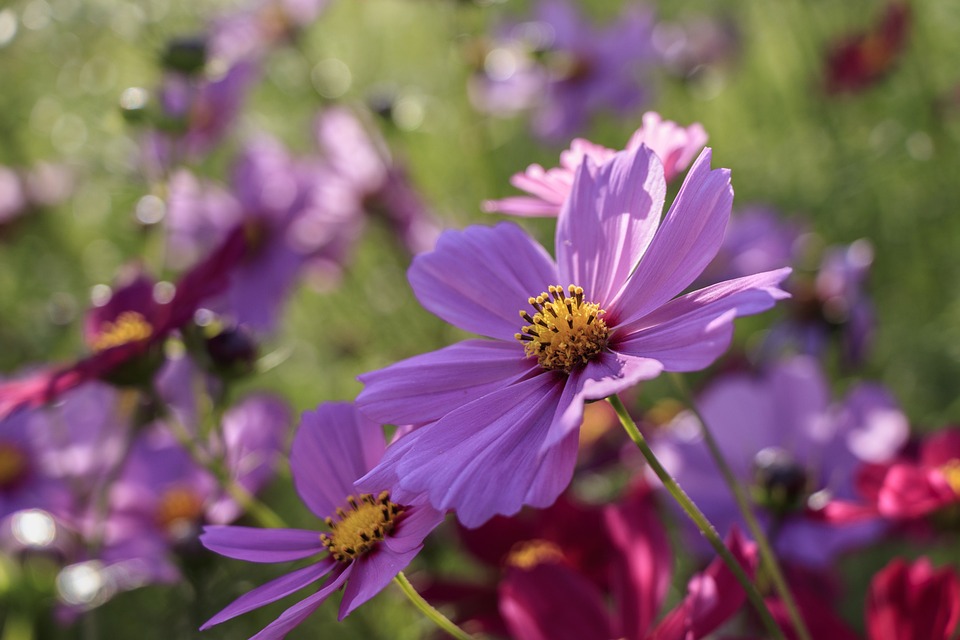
[(703, 524), (428, 610), (759, 536)]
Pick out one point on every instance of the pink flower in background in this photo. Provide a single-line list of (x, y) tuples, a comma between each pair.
[(676, 146), (912, 601)]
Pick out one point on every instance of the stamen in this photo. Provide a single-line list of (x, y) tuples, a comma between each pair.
[(565, 331), (129, 326), (359, 530), (530, 553)]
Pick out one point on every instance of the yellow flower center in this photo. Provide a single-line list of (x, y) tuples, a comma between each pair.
[(13, 464), (951, 473), (360, 529), (179, 508), (530, 553), (565, 331), (129, 326)]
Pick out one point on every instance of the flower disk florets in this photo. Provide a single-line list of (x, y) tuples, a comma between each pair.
[(566, 331), (359, 530), (129, 326)]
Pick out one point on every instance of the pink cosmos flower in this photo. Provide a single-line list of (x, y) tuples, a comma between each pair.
[(676, 146), (913, 602), (370, 538), (504, 414)]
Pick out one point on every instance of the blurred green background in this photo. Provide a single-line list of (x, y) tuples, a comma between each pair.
[(881, 164)]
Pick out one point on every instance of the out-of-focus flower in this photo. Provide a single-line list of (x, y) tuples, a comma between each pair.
[(361, 160), (911, 601), (196, 114), (909, 487), (370, 539), (785, 441), (247, 34), (284, 222), (833, 304), (757, 239), (676, 146), (505, 413), (126, 331), (858, 61), (568, 70), (162, 498), (544, 599), (43, 185), (697, 44)]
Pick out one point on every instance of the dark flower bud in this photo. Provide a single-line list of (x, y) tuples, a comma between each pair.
[(186, 55), (231, 350), (780, 483)]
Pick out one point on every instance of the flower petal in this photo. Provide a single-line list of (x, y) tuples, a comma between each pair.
[(692, 331), (261, 545), (479, 279), (427, 387), (608, 221), (416, 524), (686, 242), (334, 446), (371, 574), (300, 611), (481, 459), (271, 592)]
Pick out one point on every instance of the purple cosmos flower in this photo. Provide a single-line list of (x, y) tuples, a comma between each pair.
[(791, 447), (128, 329), (586, 70), (370, 538), (162, 497), (275, 198), (362, 161), (676, 146), (505, 413), (247, 34)]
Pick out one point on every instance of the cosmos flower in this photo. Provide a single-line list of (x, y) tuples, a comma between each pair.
[(858, 61), (544, 599), (676, 146), (567, 69), (504, 414), (125, 333), (911, 601), (250, 32), (785, 441), (370, 538)]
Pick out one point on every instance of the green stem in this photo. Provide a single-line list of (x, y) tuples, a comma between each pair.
[(763, 543), (703, 524), (428, 610)]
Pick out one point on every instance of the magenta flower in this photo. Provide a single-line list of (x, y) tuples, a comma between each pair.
[(913, 602), (676, 146), (504, 413), (370, 538), (131, 326)]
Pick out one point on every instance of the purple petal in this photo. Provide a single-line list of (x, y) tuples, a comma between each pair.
[(371, 574), (692, 331), (427, 387), (261, 545), (417, 523), (608, 221), (271, 592), (479, 279), (334, 446), (482, 459), (300, 611), (686, 242)]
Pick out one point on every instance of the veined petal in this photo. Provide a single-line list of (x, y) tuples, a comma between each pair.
[(480, 460), (690, 332), (271, 592), (334, 446), (480, 278), (300, 611), (685, 243), (261, 545), (424, 388), (371, 573), (608, 221), (416, 524)]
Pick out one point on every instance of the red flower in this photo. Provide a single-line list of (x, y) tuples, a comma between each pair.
[(858, 61), (913, 602), (128, 326)]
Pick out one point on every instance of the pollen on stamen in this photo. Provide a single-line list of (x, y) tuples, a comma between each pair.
[(566, 331), (129, 326), (360, 529)]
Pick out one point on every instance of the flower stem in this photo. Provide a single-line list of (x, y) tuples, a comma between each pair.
[(428, 610), (759, 536), (703, 524)]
